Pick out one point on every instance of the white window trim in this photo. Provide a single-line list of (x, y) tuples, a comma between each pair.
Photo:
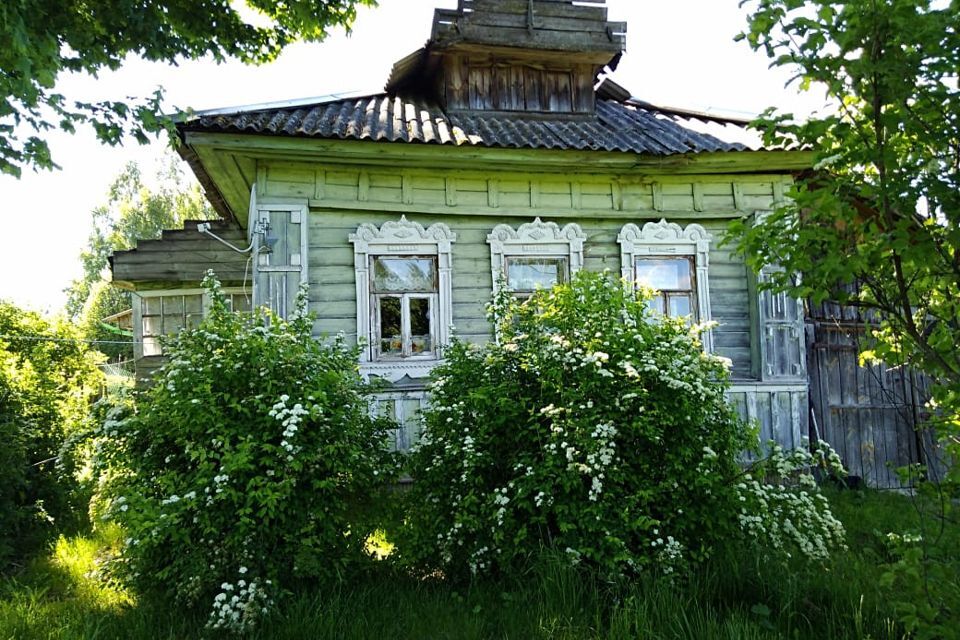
[(260, 211), (535, 239), (403, 238), (664, 239), (137, 305)]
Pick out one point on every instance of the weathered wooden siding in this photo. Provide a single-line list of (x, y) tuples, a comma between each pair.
[(471, 204), (873, 415), (333, 289)]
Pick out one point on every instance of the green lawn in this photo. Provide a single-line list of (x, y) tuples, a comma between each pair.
[(59, 596)]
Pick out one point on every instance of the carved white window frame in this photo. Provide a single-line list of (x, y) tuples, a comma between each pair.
[(535, 239), (664, 239), (402, 238)]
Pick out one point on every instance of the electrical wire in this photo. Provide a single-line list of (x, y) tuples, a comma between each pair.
[(73, 340)]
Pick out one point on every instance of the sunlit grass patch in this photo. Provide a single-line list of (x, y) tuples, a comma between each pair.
[(378, 545)]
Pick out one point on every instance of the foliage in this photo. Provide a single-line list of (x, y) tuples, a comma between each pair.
[(589, 428), (735, 595), (47, 381), (883, 209), (39, 41), (133, 212), (877, 224), (245, 467)]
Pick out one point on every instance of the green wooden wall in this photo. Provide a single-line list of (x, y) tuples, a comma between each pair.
[(471, 204)]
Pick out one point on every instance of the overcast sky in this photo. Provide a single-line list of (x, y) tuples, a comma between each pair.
[(679, 53)]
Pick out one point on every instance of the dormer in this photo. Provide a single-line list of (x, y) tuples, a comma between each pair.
[(529, 57)]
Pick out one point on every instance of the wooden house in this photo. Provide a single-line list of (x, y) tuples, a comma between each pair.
[(496, 149)]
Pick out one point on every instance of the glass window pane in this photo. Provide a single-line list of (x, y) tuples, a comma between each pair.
[(151, 347), (240, 303), (151, 306), (404, 274), (670, 274), (655, 305), (152, 326), (680, 305), (173, 305), (193, 320), (193, 304), (172, 324), (528, 274), (391, 340), (420, 338)]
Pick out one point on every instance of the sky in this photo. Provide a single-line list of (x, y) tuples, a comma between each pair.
[(679, 53)]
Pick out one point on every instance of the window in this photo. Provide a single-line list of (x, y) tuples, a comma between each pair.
[(674, 260), (674, 282), (404, 296), (536, 255), (165, 313), (281, 257)]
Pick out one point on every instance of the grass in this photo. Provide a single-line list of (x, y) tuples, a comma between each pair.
[(736, 597)]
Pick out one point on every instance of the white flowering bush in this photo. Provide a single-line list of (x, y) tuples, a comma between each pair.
[(245, 467), (781, 507), (589, 427)]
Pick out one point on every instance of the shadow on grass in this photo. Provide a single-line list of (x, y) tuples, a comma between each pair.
[(736, 596)]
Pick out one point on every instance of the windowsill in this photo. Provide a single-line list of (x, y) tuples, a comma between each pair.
[(395, 370)]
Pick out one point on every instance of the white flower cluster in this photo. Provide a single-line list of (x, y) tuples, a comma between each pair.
[(670, 555), (290, 418), (787, 512), (240, 605)]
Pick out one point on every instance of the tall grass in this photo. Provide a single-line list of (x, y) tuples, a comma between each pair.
[(736, 596)]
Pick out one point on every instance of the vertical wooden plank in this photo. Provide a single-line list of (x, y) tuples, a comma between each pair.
[(450, 186), (657, 189), (535, 194), (406, 188), (617, 192), (576, 195), (738, 196), (493, 193), (532, 86), (363, 186), (698, 196), (261, 179), (320, 184)]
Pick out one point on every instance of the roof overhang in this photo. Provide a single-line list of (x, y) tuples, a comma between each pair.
[(229, 164)]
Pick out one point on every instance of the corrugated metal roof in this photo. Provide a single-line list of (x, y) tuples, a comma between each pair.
[(617, 126)]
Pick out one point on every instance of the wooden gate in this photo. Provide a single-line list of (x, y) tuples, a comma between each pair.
[(870, 413)]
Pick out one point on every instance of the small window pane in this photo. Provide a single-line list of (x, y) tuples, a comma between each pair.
[(151, 347), (680, 305), (664, 274), (240, 303), (193, 304), (152, 326), (194, 320), (172, 324), (173, 305), (528, 274), (391, 340), (420, 341), (151, 306), (655, 305), (404, 274)]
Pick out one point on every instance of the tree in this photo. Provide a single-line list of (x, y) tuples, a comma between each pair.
[(40, 39), (48, 378), (132, 212), (877, 223)]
